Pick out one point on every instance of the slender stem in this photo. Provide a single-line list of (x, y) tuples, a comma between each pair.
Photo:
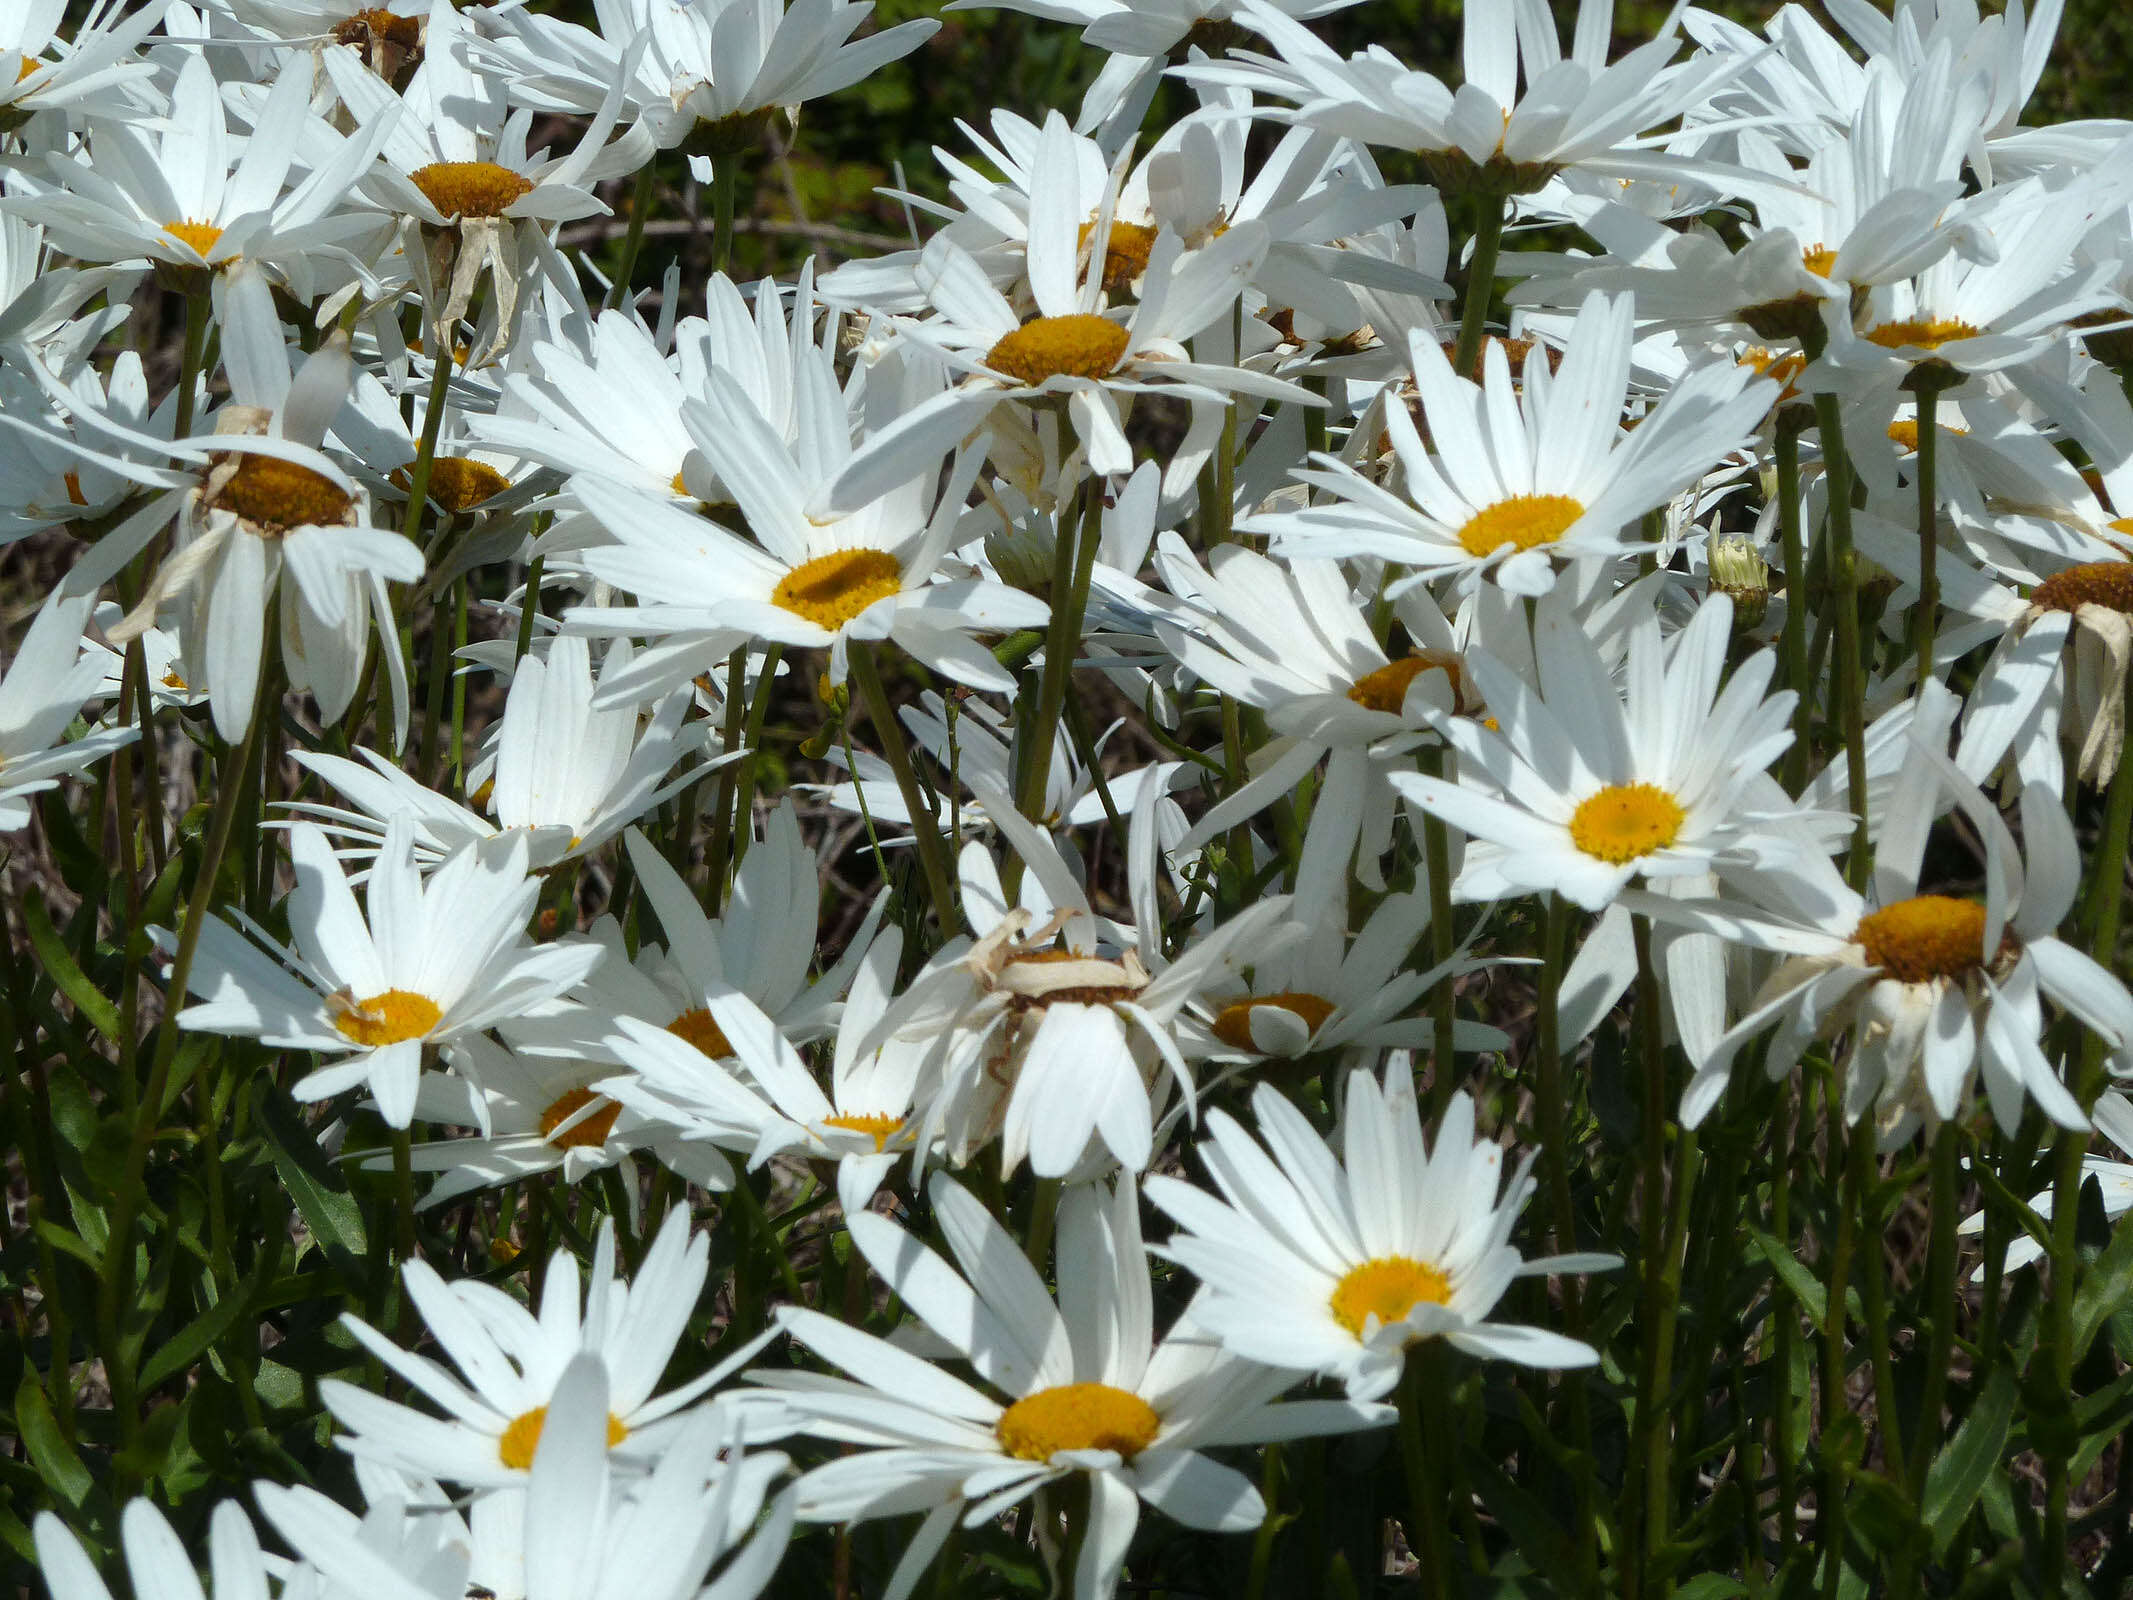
[(1646, 1476), (725, 180), (1829, 1514), (199, 315), (1070, 600), (1942, 1216), (529, 609), (751, 741), (932, 853), (1787, 1317), (759, 1221), (1927, 384), (1850, 685), (1270, 1481), (1043, 1213), (1793, 642), (724, 821), (418, 473), (1444, 944), (1480, 286), (618, 291), (1429, 1533), (1873, 1303)]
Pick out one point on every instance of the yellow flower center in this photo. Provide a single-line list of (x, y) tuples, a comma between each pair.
[(1922, 333), (458, 483), (1081, 345), (1387, 1288), (1925, 937), (470, 188), (200, 236), (1626, 820), (274, 495), (1818, 259), (697, 1026), (2094, 583), (1523, 521), (1125, 252), (877, 1125), (592, 1130), (1385, 689), (680, 487), (1077, 1416), (1233, 1023), (30, 65), (831, 590), (171, 680), (1780, 366), (393, 1017), (516, 1444)]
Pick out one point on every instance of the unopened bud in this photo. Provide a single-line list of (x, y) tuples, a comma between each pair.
[(1740, 574)]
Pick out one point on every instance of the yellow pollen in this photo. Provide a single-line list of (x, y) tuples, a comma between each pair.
[(1925, 937), (680, 487), (30, 64), (1818, 259), (1233, 1023), (2094, 583), (1080, 345), (171, 680), (503, 1251), (1523, 521), (1921, 333), (199, 236), (1387, 1288), (393, 1017), (469, 188), (516, 1444), (74, 495), (696, 1026), (831, 590), (877, 1125), (1077, 1416), (1782, 366), (457, 483), (274, 495), (593, 1130), (1125, 252), (1385, 689), (1626, 820)]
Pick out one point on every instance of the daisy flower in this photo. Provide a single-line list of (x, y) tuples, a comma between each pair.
[(1079, 1387), (807, 579), (1336, 1263), (430, 963), (42, 692), (1585, 788), (1932, 991), (512, 1362), (157, 1562), (94, 72), (1518, 476)]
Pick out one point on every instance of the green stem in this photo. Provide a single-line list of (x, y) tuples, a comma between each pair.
[(1793, 641), (1850, 685), (199, 316), (725, 180), (1786, 1315), (751, 742), (418, 473), (1480, 287), (932, 853), (759, 1222), (1927, 384), (1443, 1000), (1942, 1215), (1429, 1533), (1070, 601), (1270, 1480), (723, 822), (1829, 1515), (529, 609), (618, 290), (1647, 1473), (1873, 1304), (1043, 1213)]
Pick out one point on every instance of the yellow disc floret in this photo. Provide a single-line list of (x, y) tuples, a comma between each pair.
[(516, 1444), (2094, 583), (1233, 1023), (470, 188), (1387, 1288), (1626, 820), (393, 1017), (1819, 259), (1925, 937), (1922, 333), (1077, 1416), (458, 483), (1385, 688), (879, 1126), (831, 590), (588, 1131), (1523, 521), (1080, 345), (199, 236), (274, 495), (698, 1027), (1125, 252)]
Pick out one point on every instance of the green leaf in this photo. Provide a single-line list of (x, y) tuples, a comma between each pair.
[(2104, 1287), (188, 1345), (1798, 1281), (1539, 1536), (321, 1194), (1710, 1586), (1957, 1477), (58, 961), (54, 1458)]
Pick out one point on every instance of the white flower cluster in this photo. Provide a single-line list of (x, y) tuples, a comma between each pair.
[(1792, 515)]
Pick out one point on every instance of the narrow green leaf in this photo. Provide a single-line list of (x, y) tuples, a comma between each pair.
[(1710, 1586), (54, 1458), (58, 962), (2104, 1287), (188, 1345), (1798, 1281), (321, 1194)]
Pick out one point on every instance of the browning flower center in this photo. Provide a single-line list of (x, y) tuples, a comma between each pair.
[(1077, 1416), (1387, 1287), (516, 1444), (1925, 937), (698, 1027), (1385, 688), (1233, 1023), (393, 1017), (879, 1126), (1125, 252), (199, 236), (377, 24), (274, 495), (458, 483), (469, 188), (1921, 333), (588, 1131), (1523, 521), (1626, 820), (1080, 345), (831, 590), (2094, 583)]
